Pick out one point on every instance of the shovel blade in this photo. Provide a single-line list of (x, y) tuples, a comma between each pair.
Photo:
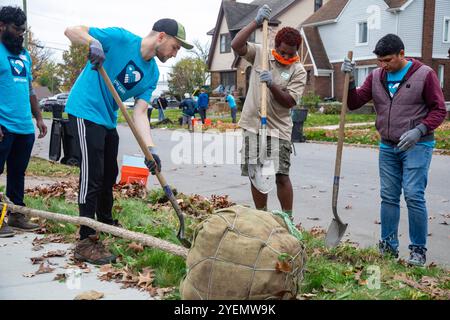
[(262, 176), (335, 233)]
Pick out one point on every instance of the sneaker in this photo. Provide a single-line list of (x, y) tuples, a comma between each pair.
[(6, 231), (387, 250), (93, 251), (418, 256), (20, 221)]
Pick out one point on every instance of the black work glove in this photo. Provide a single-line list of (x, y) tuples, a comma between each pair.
[(153, 166)]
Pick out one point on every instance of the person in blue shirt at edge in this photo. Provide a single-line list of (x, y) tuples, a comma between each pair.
[(232, 104), (203, 104), (188, 108), (130, 62), (18, 105)]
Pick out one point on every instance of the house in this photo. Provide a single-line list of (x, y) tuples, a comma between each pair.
[(343, 25), (226, 68)]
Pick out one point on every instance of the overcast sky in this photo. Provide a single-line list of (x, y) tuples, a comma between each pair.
[(49, 18)]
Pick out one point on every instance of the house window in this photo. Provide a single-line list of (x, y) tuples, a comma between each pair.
[(441, 70), (362, 33), (228, 80), (225, 43), (361, 74), (252, 37), (317, 4), (447, 29)]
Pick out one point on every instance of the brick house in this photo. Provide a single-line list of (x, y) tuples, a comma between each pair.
[(226, 68), (343, 25)]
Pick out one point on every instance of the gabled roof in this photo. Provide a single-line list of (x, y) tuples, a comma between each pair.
[(238, 15), (316, 48), (331, 11), (327, 14)]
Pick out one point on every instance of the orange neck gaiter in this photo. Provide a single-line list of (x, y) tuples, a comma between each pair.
[(284, 61)]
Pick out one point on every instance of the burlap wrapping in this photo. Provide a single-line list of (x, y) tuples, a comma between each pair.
[(243, 254)]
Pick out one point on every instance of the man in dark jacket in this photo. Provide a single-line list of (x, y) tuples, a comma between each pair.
[(188, 108), (410, 105)]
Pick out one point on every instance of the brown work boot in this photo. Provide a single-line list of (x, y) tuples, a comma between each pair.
[(6, 231), (20, 221), (93, 251)]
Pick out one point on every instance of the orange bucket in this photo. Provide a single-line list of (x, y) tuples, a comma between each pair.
[(134, 175)]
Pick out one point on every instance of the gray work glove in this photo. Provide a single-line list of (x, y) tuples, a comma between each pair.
[(411, 137), (96, 54), (266, 76), (349, 67), (263, 14), (153, 166)]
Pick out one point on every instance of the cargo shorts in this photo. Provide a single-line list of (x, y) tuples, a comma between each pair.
[(278, 150)]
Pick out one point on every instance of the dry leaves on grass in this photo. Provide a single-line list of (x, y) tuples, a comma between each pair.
[(136, 247), (127, 191), (426, 284), (67, 189), (318, 231), (52, 238)]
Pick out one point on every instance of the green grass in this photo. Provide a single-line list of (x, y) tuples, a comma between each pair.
[(45, 168), (319, 120), (368, 135)]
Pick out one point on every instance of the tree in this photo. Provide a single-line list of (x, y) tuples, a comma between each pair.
[(40, 55), (49, 76), (200, 50), (188, 74), (75, 60)]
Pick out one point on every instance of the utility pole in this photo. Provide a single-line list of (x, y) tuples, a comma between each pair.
[(26, 23)]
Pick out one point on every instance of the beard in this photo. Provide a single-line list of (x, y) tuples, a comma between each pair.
[(13, 43), (161, 57)]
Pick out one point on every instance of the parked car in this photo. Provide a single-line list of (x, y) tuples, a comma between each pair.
[(173, 103), (48, 103)]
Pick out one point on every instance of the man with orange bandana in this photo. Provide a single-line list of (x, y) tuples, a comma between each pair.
[(286, 80)]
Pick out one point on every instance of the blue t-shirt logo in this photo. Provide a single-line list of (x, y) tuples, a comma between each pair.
[(130, 76), (17, 67)]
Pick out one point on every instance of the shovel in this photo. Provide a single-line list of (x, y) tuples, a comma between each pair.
[(262, 174), (337, 228), (148, 156)]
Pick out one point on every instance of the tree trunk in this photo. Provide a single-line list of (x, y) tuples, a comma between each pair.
[(115, 231)]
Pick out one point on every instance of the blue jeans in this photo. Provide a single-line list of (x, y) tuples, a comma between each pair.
[(15, 151), (408, 171), (234, 114), (161, 115)]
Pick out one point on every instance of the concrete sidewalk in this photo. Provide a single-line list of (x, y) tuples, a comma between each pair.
[(16, 266), (347, 125)]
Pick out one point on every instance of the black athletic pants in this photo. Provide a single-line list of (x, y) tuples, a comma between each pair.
[(98, 171)]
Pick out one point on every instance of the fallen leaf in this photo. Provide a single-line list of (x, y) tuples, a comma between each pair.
[(3, 245), (313, 219), (283, 266), (55, 254), (146, 278), (60, 277), (377, 222), (29, 275), (430, 234), (44, 269), (37, 260), (90, 295), (136, 247), (37, 248), (446, 216), (306, 296), (349, 207), (444, 223)]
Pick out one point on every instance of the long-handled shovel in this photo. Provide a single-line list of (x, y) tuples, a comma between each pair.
[(148, 156), (337, 228), (262, 173)]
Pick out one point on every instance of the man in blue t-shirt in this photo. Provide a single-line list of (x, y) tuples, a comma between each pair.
[(203, 104), (130, 62), (233, 107), (18, 103)]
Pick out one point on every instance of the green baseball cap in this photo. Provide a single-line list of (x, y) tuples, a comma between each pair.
[(174, 29)]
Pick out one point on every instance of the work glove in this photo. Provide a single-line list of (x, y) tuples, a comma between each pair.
[(266, 76), (263, 14), (349, 67), (411, 137), (153, 165), (96, 54)]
